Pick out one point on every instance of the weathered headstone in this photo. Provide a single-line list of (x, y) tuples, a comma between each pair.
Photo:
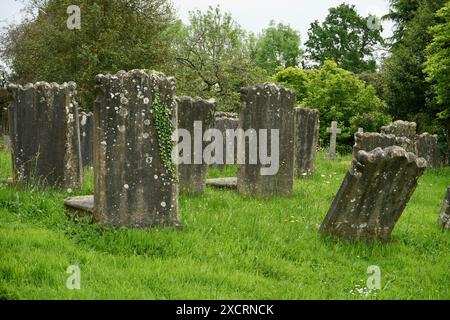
[(45, 136), (191, 110), (87, 138), (334, 131), (360, 130), (135, 178), (6, 140), (401, 129), (374, 194), (427, 147), (306, 140), (266, 109), (444, 219), (226, 122), (370, 141)]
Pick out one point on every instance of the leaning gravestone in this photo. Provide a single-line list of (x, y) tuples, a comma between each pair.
[(135, 178), (193, 174), (401, 129), (45, 136), (266, 109), (87, 138), (227, 122), (444, 219), (306, 140), (370, 141), (427, 147), (374, 194)]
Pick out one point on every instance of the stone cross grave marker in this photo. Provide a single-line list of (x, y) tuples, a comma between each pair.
[(334, 131)]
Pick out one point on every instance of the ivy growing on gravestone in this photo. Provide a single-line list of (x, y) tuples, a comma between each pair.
[(162, 115)]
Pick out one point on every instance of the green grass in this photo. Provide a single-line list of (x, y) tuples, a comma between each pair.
[(230, 247)]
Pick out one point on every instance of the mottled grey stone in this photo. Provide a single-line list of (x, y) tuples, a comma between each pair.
[(268, 107), (306, 140), (87, 138), (226, 121), (374, 194), (226, 183), (45, 135), (193, 176), (82, 206), (427, 147), (444, 219), (370, 141), (135, 179), (401, 129)]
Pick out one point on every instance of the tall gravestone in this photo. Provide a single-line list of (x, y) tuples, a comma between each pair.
[(444, 219), (193, 175), (135, 179), (370, 141), (306, 140), (87, 138), (401, 129), (267, 108), (374, 194), (45, 135), (226, 122), (427, 147)]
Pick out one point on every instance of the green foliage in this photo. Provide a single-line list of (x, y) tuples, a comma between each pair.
[(162, 115), (213, 58), (371, 122), (114, 35), (231, 247), (278, 46), (344, 37), (401, 12), (339, 96), (438, 60), (294, 78)]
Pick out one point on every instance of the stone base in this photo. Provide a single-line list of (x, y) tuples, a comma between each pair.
[(223, 183), (80, 206)]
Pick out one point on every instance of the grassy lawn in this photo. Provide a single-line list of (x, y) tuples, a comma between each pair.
[(230, 247)]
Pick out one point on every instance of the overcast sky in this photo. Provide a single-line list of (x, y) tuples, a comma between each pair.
[(253, 15)]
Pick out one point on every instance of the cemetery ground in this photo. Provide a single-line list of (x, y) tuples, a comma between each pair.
[(230, 247)]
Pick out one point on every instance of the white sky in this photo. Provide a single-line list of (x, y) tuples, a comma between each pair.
[(252, 15)]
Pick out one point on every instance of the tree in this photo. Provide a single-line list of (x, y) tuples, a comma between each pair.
[(345, 37), (114, 35), (213, 58), (408, 94), (339, 96), (438, 67), (278, 46), (401, 12)]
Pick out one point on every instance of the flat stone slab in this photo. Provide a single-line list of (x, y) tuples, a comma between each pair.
[(228, 183), (80, 206)]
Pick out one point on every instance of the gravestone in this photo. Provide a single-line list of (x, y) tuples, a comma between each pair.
[(45, 135), (225, 123), (427, 147), (401, 129), (306, 140), (374, 194), (444, 219), (190, 110), (87, 138), (370, 141), (334, 131), (6, 140), (360, 130), (135, 178), (268, 109)]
